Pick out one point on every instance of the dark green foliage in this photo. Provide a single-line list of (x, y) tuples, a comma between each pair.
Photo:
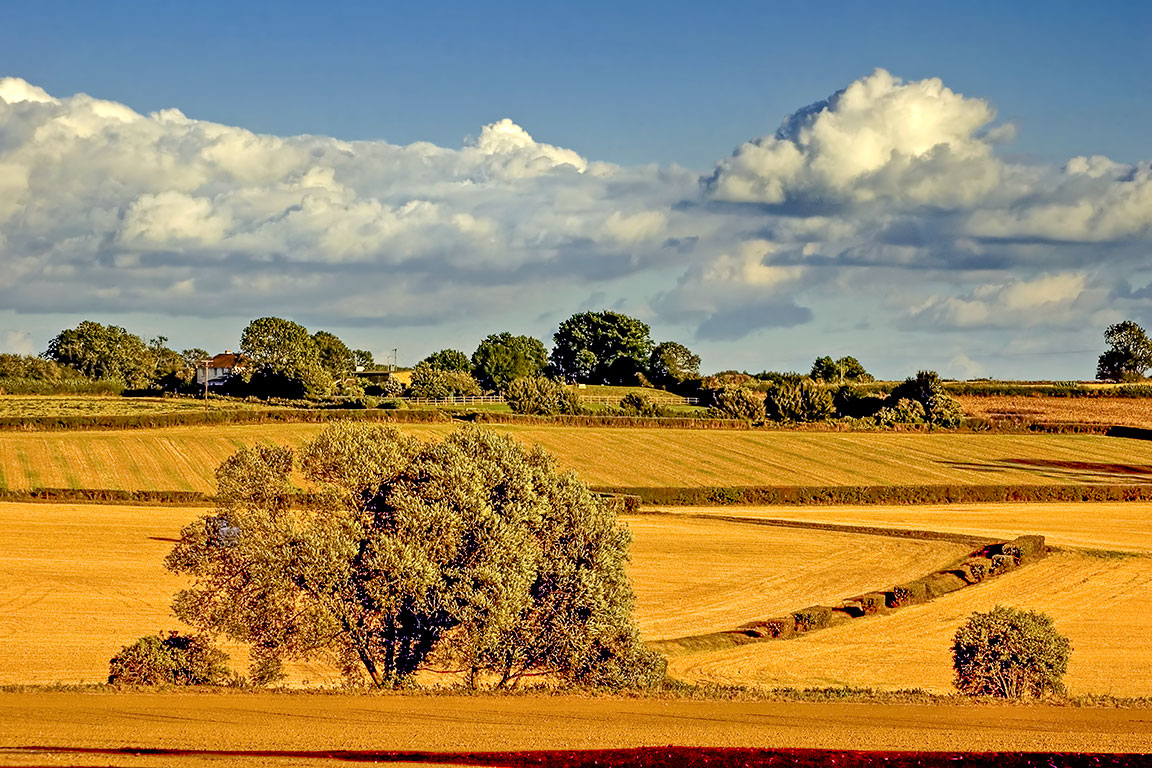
[(845, 369), (601, 348), (738, 403), (940, 408), (1009, 653), (283, 357), (335, 357), (501, 358), (449, 360), (802, 401), (671, 364), (174, 659), (540, 396), (473, 553), (1129, 353), (362, 360), (104, 352), (855, 403)]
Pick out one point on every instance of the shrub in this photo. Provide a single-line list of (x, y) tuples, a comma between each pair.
[(1009, 653), (904, 411), (854, 403), (734, 402), (940, 408), (804, 400), (173, 660), (910, 593), (813, 617), (541, 396), (637, 404)]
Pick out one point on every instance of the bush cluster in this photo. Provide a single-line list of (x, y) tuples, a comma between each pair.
[(1009, 653), (171, 659)]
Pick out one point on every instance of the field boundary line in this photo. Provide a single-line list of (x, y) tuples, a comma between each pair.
[(990, 561)]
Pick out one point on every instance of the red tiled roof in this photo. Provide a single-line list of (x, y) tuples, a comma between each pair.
[(228, 360)]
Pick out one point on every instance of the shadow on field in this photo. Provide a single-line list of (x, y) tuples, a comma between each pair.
[(1082, 470), (645, 757)]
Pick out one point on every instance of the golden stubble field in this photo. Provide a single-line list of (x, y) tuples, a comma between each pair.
[(184, 458), (79, 581), (1127, 411), (1103, 605)]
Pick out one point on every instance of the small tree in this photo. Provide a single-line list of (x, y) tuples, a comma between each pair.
[(940, 408), (335, 357), (1129, 353), (1009, 653), (542, 396), (174, 659)]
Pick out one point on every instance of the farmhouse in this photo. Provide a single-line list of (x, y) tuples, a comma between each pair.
[(216, 369)]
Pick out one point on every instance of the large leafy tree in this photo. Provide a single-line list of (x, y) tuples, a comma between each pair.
[(1129, 353), (601, 348), (283, 359), (449, 360), (501, 358), (672, 363), (472, 554), (104, 352), (335, 357)]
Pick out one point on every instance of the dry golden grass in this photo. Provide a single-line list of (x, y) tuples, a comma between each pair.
[(184, 458), (1103, 605), (1129, 411), (1121, 526), (694, 576)]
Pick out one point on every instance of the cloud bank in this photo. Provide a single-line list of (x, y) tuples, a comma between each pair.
[(890, 194)]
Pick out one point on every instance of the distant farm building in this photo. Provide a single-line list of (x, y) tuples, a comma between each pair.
[(217, 369), (379, 377)]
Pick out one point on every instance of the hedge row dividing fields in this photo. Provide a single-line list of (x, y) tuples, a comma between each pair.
[(184, 458)]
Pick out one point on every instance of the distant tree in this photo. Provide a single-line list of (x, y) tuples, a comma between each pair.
[(449, 360), (283, 359), (104, 352), (502, 357), (1129, 353), (601, 348), (541, 396), (940, 408), (335, 357), (437, 383), (362, 360), (169, 371), (801, 401), (738, 403), (194, 358), (473, 553), (845, 369), (1009, 653), (672, 363), (639, 404)]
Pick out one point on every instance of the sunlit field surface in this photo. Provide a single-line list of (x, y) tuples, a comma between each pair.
[(184, 458)]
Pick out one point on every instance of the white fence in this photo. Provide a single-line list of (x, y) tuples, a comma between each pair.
[(479, 399)]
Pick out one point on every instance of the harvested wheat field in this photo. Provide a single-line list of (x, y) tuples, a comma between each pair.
[(695, 576), (184, 458), (1104, 605), (1122, 526), (81, 580), (1127, 411), (248, 724), (32, 406)]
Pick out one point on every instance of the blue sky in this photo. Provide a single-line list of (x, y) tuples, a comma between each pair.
[(662, 91)]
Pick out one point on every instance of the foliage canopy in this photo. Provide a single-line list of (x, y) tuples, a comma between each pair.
[(501, 357), (601, 348), (1129, 353), (1009, 653), (472, 554)]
